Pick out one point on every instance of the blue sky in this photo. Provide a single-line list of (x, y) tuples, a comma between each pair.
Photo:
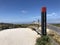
[(20, 11)]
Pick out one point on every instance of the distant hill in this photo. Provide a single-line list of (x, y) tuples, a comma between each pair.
[(10, 25)]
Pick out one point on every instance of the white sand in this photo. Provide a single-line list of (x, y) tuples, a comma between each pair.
[(18, 36), (48, 30)]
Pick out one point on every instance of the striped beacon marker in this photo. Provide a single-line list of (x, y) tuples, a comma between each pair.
[(43, 21)]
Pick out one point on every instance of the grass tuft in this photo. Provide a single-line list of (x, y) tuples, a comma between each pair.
[(44, 40)]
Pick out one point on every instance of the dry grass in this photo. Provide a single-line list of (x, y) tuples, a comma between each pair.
[(55, 36)]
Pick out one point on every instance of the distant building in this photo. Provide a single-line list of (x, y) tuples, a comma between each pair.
[(36, 22)]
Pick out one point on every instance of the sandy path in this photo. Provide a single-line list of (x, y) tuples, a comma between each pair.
[(18, 36)]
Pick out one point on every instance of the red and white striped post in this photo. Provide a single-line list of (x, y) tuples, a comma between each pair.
[(43, 21)]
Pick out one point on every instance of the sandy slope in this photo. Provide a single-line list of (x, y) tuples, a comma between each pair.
[(18, 36)]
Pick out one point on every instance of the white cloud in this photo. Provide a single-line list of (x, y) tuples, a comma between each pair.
[(23, 11), (49, 15), (37, 17), (52, 14)]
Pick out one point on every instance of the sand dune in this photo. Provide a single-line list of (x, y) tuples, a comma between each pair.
[(18, 36)]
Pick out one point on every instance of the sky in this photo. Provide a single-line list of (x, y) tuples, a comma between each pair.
[(22, 11)]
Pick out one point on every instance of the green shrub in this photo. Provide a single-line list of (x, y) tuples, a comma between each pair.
[(44, 40)]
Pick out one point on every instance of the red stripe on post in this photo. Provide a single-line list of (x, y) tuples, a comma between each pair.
[(43, 9)]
